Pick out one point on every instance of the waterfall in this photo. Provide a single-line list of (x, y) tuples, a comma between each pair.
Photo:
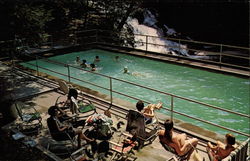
[(155, 36)]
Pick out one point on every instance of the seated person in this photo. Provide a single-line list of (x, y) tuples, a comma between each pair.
[(148, 111), (93, 68), (59, 130), (221, 150), (178, 142), (97, 59), (73, 94)]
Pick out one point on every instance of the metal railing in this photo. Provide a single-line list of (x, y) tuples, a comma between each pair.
[(219, 54), (112, 91)]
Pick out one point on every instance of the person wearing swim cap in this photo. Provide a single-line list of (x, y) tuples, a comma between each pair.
[(125, 70)]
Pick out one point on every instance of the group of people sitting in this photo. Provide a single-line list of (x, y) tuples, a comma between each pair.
[(64, 127), (181, 144), (184, 146), (84, 63)]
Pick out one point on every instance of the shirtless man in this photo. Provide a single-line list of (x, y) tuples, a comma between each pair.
[(149, 111), (221, 150)]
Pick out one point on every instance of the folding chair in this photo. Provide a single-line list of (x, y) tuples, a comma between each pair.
[(69, 91), (79, 155), (76, 106), (122, 151), (64, 145), (82, 108), (31, 120), (136, 126)]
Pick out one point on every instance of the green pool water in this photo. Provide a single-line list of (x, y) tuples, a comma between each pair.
[(228, 92)]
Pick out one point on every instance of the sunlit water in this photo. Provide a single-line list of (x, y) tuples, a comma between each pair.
[(225, 91)]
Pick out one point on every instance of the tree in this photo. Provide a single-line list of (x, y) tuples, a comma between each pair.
[(31, 21)]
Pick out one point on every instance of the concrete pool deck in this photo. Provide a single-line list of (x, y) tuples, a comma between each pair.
[(42, 94)]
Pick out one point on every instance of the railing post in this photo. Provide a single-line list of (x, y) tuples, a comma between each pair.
[(68, 72), (220, 54), (37, 72), (96, 36), (51, 41), (146, 42), (110, 86), (179, 46), (172, 107)]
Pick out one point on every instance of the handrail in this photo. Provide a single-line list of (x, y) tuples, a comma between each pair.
[(198, 42), (179, 47), (210, 61), (192, 41), (145, 87), (220, 53)]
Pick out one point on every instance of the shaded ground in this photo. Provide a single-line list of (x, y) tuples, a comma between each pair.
[(12, 150)]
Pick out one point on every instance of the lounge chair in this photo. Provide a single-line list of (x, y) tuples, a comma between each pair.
[(31, 120), (122, 151), (175, 156), (79, 155), (65, 145), (82, 106), (136, 126)]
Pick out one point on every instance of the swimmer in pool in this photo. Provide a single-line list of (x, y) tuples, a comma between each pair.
[(78, 60), (84, 64), (97, 59), (93, 68), (116, 58), (125, 70)]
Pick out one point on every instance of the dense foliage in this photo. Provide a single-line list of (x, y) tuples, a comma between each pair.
[(36, 19)]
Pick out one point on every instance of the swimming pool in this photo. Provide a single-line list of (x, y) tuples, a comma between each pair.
[(228, 92)]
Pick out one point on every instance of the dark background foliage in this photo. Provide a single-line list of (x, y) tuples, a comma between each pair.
[(220, 21)]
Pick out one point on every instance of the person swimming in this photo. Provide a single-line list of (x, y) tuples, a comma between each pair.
[(97, 59), (93, 68), (78, 60), (84, 64), (125, 70), (116, 58)]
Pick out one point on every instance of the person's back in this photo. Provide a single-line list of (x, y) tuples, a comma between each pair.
[(178, 142)]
